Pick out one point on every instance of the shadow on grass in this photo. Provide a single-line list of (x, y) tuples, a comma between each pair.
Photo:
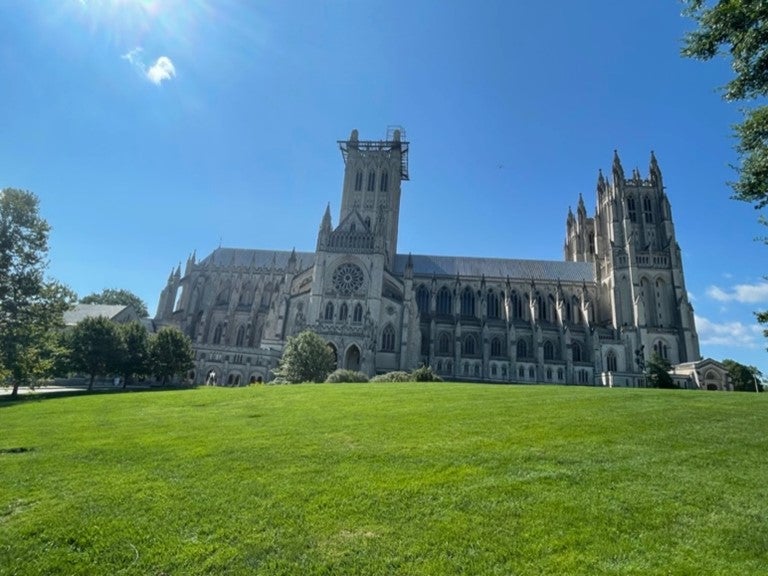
[(43, 394)]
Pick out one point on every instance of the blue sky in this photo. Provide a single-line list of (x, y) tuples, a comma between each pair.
[(152, 128)]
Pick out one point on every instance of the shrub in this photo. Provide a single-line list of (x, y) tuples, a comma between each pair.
[(341, 375), (425, 374), (397, 376)]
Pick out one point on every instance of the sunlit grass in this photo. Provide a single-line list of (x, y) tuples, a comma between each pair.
[(385, 479)]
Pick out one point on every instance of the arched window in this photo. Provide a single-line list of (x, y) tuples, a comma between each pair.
[(631, 209), (240, 336), (359, 181), (217, 332), (466, 368), (371, 181), (444, 344), (647, 210), (467, 302), (560, 374), (493, 370), (493, 308), (422, 299), (549, 350), (522, 349), (497, 348), (521, 372), (541, 308), (576, 310), (343, 312), (223, 297), (576, 351), (551, 307), (329, 311), (384, 183), (470, 345), (517, 306), (358, 315), (246, 295), (660, 348), (610, 361), (388, 339), (444, 301), (549, 373), (368, 222), (531, 372), (568, 314)]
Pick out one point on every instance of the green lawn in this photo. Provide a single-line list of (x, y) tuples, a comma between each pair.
[(385, 479)]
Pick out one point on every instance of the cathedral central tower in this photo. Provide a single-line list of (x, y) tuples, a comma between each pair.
[(373, 172)]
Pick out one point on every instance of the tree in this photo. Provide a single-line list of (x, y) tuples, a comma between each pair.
[(135, 361), (31, 307), (740, 27), (658, 372), (306, 358), (171, 353), (744, 378), (120, 297), (97, 348)]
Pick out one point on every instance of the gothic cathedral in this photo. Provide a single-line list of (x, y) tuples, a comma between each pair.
[(595, 318)]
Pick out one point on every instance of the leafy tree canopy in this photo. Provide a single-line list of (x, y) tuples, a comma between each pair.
[(31, 307), (744, 378), (171, 353), (135, 360), (739, 28), (658, 372), (96, 348), (117, 297), (306, 358)]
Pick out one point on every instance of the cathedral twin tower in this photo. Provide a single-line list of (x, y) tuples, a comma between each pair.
[(618, 298)]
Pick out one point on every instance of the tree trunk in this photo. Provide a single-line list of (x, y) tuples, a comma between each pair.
[(15, 391), (90, 383)]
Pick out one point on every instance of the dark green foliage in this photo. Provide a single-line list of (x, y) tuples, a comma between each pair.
[(135, 361), (342, 375), (425, 374), (397, 376), (118, 296), (658, 372), (743, 378), (31, 307), (306, 358), (97, 348), (740, 28), (171, 353)]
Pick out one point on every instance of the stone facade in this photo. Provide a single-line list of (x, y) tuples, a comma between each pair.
[(595, 318)]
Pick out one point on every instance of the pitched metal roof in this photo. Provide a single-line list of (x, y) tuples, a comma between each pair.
[(252, 258), (453, 266), (82, 311)]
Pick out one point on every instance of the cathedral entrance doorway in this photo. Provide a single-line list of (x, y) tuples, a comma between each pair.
[(352, 361)]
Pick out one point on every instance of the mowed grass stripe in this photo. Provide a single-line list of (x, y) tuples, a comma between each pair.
[(385, 479)]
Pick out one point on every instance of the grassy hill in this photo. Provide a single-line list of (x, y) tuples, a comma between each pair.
[(385, 479)]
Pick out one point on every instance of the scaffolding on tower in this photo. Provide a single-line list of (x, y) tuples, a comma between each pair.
[(395, 140)]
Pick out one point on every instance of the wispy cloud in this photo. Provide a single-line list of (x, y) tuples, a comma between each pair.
[(742, 293), (733, 334), (163, 68)]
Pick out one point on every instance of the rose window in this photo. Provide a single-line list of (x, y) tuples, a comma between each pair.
[(347, 278)]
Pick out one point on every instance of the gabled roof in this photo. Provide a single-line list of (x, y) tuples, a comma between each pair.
[(82, 311), (545, 270)]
